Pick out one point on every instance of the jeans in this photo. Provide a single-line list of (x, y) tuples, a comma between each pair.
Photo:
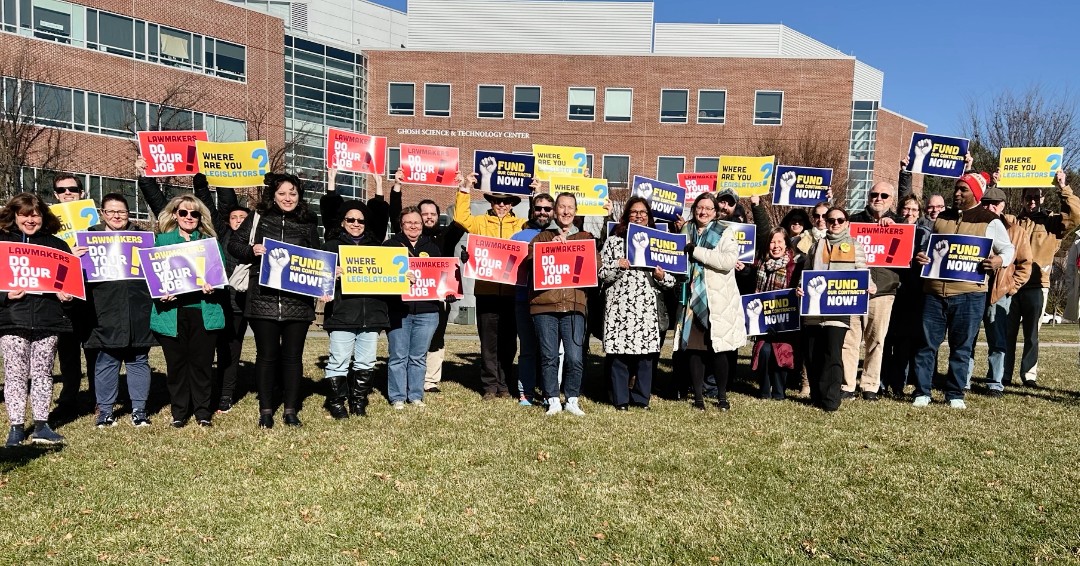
[(996, 323), (410, 335), (528, 360), (107, 377), (356, 345), (567, 330), (1028, 306), (959, 315)]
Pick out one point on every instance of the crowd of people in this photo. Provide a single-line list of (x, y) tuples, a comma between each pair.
[(532, 343)]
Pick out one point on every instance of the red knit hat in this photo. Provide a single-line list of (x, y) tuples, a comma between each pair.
[(977, 183)]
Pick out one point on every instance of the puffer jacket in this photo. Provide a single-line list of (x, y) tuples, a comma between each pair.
[(727, 323), (425, 247), (487, 225), (43, 312), (121, 310), (263, 302), (349, 312), (555, 301)]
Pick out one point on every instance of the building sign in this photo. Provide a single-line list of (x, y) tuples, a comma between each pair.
[(463, 133)]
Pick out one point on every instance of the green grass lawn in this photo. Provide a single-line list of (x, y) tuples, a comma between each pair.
[(467, 482)]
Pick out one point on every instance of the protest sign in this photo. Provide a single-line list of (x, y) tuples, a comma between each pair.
[(931, 154), (297, 269), (747, 176), (182, 268), (169, 153), (559, 161), (840, 292), (496, 260), (771, 312), (664, 199), (564, 265), (74, 216), (233, 164), (1028, 166), (504, 173), (373, 270), (428, 165), (745, 236), (885, 246), (112, 256), (355, 152), (695, 184), (41, 269), (648, 247), (956, 257), (591, 194), (436, 279), (801, 186)]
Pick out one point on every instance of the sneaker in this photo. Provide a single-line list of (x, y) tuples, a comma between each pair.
[(418, 403), (224, 405), (44, 435), (398, 405), (105, 421), (179, 423), (554, 406), (848, 395), (523, 402), (433, 389), (995, 393), (723, 405), (1031, 383), (503, 394), (957, 404), (573, 408), (205, 423), (16, 435), (139, 419), (921, 401), (489, 396), (869, 396)]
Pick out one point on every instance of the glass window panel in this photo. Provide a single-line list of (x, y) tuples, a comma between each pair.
[(52, 105), (618, 104), (489, 103), (401, 99), (393, 160), (673, 106), (527, 102), (711, 106), (52, 20), (116, 114), (175, 45), (668, 169), (436, 100), (117, 33), (706, 164), (230, 58), (617, 170), (768, 108), (582, 104)]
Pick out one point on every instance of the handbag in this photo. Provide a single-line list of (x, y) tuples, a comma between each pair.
[(241, 274)]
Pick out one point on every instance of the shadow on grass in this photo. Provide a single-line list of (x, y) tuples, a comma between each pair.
[(16, 457)]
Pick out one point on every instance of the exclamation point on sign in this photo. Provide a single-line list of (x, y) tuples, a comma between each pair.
[(190, 158), (578, 263), (200, 270), (509, 271), (442, 171), (61, 275), (892, 250), (135, 262)]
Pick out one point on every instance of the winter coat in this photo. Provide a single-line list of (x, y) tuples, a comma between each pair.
[(263, 302), (42, 312), (727, 323), (424, 247), (848, 254), (349, 312), (121, 311), (331, 203), (632, 305), (163, 314), (1010, 278), (556, 301)]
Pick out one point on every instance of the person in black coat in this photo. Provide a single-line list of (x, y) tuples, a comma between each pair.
[(279, 319), (31, 324)]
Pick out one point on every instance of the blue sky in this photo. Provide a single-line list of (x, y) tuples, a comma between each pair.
[(935, 56)]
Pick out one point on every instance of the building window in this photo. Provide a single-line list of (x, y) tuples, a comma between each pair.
[(116, 34), (582, 104), (436, 100), (711, 106), (526, 103), (489, 101), (393, 161), (668, 169), (768, 108), (617, 170), (618, 104), (174, 46), (52, 106), (706, 164), (401, 99), (53, 20), (673, 106)]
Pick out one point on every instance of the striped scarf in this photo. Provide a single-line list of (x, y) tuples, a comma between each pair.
[(695, 294)]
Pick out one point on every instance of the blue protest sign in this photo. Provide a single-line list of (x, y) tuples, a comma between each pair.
[(665, 199), (297, 269), (662, 226), (745, 236), (507, 173), (955, 257), (931, 154), (648, 247), (771, 312), (841, 292), (801, 186)]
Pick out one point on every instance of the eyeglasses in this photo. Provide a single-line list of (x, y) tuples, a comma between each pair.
[(882, 196), (411, 223), (354, 220), (114, 212), (639, 213), (822, 215), (935, 207), (1032, 197), (542, 209), (184, 213), (833, 221), (62, 190), (703, 209)]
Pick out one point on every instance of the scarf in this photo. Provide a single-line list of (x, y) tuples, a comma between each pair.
[(773, 274), (825, 245), (695, 295)]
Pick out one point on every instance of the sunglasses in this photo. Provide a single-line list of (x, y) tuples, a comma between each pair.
[(832, 221), (542, 209), (882, 196), (501, 201), (62, 190), (354, 220), (816, 215), (184, 213)]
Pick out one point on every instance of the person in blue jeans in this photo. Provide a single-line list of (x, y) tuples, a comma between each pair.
[(528, 360), (412, 323)]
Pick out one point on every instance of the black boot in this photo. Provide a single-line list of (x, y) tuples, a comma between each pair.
[(360, 385), (335, 399)]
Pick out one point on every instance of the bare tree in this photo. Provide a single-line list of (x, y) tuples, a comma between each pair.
[(817, 146)]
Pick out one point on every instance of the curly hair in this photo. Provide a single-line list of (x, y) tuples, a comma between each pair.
[(25, 203), (267, 202)]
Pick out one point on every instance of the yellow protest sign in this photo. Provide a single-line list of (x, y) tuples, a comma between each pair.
[(74, 216), (373, 270), (747, 176), (559, 161), (591, 194), (233, 164), (1028, 166)]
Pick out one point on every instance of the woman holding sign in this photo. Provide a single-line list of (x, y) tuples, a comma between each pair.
[(30, 323), (632, 327), (776, 354)]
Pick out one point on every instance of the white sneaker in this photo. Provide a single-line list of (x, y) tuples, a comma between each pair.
[(921, 401), (418, 403), (572, 407), (398, 405), (957, 404), (554, 406)]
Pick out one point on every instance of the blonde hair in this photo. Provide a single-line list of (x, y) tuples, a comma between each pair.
[(166, 222)]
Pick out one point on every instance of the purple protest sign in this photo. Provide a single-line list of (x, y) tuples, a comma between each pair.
[(182, 268), (297, 269), (111, 256)]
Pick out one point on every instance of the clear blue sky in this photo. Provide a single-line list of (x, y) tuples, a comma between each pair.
[(935, 55)]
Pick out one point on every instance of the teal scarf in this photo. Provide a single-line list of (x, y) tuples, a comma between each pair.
[(695, 295)]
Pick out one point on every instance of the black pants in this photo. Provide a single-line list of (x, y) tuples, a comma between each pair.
[(230, 344), (622, 366), (825, 364), (438, 340), (698, 363), (279, 346), (188, 357), (70, 353), (495, 323)]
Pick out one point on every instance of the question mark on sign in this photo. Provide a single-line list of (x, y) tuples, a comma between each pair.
[(601, 191), (263, 158), (767, 169), (1054, 159), (90, 214), (582, 161), (403, 265)]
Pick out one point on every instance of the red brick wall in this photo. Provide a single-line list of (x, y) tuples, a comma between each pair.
[(893, 138)]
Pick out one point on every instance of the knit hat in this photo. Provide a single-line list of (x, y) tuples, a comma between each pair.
[(976, 182), (728, 194)]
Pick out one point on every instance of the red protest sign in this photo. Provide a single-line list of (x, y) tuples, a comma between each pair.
[(885, 246), (496, 260), (429, 165), (697, 183), (436, 279), (41, 269), (355, 152), (564, 265), (170, 153)]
